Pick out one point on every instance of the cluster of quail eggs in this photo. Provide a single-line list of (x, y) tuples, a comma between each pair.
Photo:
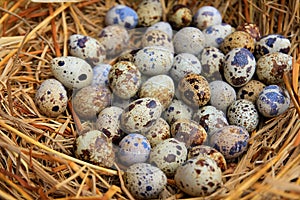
[(179, 104)]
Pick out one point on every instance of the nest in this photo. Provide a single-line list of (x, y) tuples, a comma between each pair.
[(36, 152)]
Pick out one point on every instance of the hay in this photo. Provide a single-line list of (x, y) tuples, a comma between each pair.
[(36, 152)]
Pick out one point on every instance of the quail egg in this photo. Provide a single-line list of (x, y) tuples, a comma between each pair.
[(100, 74), (207, 16), (251, 90), (177, 110), (157, 38), (215, 34), (250, 28), (162, 26), (237, 39), (149, 12), (179, 16), (121, 15)]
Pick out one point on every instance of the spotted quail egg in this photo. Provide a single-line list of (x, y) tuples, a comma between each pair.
[(157, 38), (210, 152), (168, 155), (222, 95), (162, 26), (272, 43), (185, 63), (72, 72), (177, 110), (95, 147), (121, 15), (239, 67), (149, 12), (231, 141), (207, 16), (237, 39), (100, 74), (243, 113), (215, 34), (87, 48), (51, 98), (144, 181), (134, 148), (273, 101), (189, 132), (179, 16), (194, 90), (140, 115), (189, 40), (124, 79), (210, 118), (199, 176), (212, 61), (250, 28), (251, 90), (271, 67), (90, 100), (160, 87)]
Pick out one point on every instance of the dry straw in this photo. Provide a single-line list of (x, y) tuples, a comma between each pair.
[(36, 152)]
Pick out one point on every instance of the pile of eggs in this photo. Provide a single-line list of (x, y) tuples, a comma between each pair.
[(180, 105)]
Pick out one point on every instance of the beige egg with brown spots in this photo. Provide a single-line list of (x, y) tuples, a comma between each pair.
[(238, 39), (251, 90), (157, 38)]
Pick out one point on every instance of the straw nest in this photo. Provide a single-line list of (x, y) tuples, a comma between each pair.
[(36, 152)]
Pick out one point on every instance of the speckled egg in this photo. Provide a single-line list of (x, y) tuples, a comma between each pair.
[(243, 113), (194, 90), (144, 181), (154, 60), (168, 155), (160, 87), (212, 61), (87, 48), (157, 38), (177, 110), (189, 40), (140, 115), (51, 98), (180, 16), (72, 72), (237, 39), (100, 74), (271, 67), (239, 67), (199, 176), (114, 38), (215, 34), (121, 15), (250, 28), (272, 43), (95, 147), (207, 16), (222, 95), (149, 12), (251, 90), (134, 148), (213, 153), (162, 26), (189, 132), (231, 141), (273, 101), (184, 64), (124, 79), (210, 118), (90, 100), (108, 121)]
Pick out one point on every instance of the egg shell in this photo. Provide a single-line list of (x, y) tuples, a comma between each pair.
[(162, 26), (87, 48), (168, 155), (51, 98), (250, 28), (207, 16), (177, 110), (100, 74), (72, 72), (271, 67), (273, 101), (272, 43), (243, 113), (210, 118), (121, 15), (199, 176), (95, 147), (154, 60), (140, 115), (134, 148), (231, 141), (215, 34), (90, 100), (213, 153), (144, 181), (189, 40), (160, 87), (184, 64), (157, 38), (149, 12), (239, 67), (124, 79), (179, 16), (250, 91), (237, 39)]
